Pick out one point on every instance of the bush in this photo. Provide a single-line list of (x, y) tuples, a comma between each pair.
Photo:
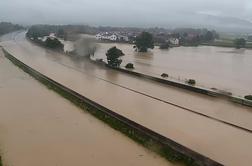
[(248, 97), (53, 43), (164, 75), (164, 46), (191, 82), (129, 66)]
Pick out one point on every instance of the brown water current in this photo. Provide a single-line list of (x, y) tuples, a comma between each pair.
[(221, 142), (212, 67), (40, 128)]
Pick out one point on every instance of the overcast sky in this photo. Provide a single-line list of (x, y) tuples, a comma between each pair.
[(119, 12)]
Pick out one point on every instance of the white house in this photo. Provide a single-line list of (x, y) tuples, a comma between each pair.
[(111, 37), (174, 41)]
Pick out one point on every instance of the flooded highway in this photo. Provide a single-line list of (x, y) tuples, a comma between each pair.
[(39, 127), (221, 142), (212, 67)]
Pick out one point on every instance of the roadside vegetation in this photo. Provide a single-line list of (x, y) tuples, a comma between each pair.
[(164, 75), (130, 66), (248, 97), (191, 82), (53, 43), (113, 57)]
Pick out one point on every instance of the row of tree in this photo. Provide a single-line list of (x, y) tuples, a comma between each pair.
[(6, 27)]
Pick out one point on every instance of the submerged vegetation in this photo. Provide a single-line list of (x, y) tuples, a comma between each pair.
[(164, 75), (191, 82), (130, 66), (113, 57), (53, 43), (144, 41), (248, 97)]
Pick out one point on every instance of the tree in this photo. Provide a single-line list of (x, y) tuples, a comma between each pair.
[(144, 41), (113, 55), (240, 43), (165, 45), (209, 36), (53, 43)]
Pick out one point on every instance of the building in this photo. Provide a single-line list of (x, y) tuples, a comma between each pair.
[(111, 37), (174, 41)]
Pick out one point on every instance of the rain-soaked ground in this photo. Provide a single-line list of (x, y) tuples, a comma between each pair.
[(120, 92), (40, 128)]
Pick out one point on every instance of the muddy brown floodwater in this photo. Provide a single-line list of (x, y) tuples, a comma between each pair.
[(212, 67), (40, 128), (218, 141)]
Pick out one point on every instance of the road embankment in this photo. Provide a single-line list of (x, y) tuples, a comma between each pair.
[(144, 136), (197, 89)]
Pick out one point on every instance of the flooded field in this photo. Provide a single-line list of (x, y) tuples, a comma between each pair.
[(40, 128), (212, 67), (114, 91)]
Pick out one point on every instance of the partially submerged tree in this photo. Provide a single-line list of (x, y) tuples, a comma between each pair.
[(144, 41), (113, 57), (165, 45), (248, 97), (240, 43), (129, 66), (54, 43), (191, 82)]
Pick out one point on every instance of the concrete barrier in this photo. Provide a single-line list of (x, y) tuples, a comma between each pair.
[(169, 82), (148, 138)]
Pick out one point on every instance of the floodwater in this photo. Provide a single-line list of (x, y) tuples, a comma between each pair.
[(219, 141), (212, 67), (236, 114), (40, 128)]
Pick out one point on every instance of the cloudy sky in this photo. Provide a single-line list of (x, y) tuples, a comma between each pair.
[(120, 12)]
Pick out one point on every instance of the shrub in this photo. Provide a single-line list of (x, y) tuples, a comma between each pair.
[(129, 66), (191, 82), (164, 75), (164, 46), (53, 43), (248, 97)]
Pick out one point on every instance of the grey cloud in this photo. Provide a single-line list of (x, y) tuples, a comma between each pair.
[(120, 12)]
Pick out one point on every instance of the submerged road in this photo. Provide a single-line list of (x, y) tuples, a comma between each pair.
[(57, 133), (119, 92)]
